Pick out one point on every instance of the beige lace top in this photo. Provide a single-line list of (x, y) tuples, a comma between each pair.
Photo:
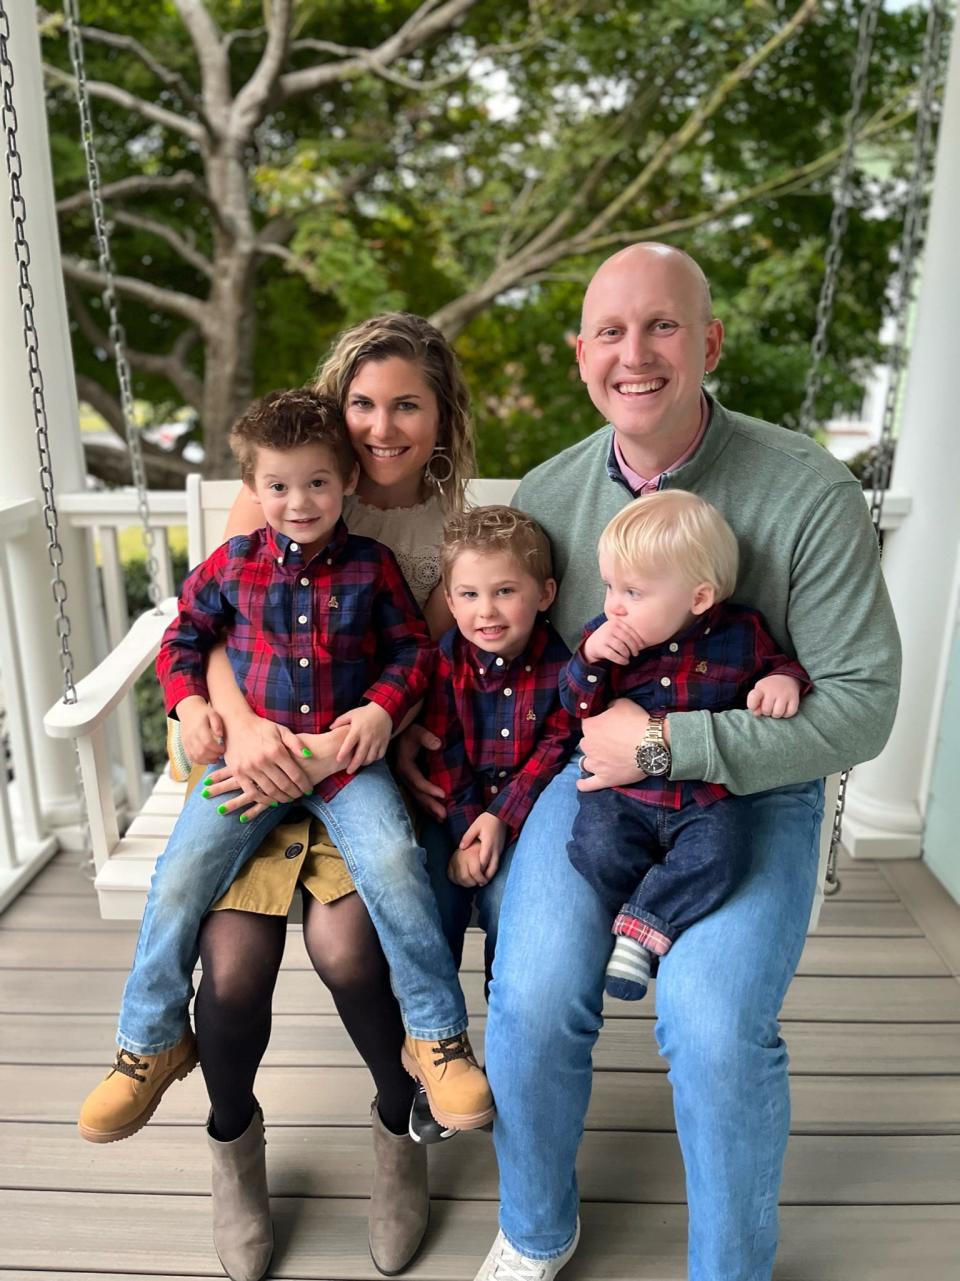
[(413, 534)]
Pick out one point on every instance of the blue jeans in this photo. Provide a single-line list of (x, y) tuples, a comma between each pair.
[(368, 823), (664, 867), (728, 1065), (456, 902)]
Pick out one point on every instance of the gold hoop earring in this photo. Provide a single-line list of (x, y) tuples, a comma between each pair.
[(440, 456)]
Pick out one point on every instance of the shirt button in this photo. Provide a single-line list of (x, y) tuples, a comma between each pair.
[(304, 582), (304, 662), (304, 707), (503, 773), (294, 547), (279, 560), (499, 662), (302, 618), (329, 560), (592, 679), (504, 733), (664, 681), (293, 851), (482, 671), (674, 647), (706, 631), (507, 692), (528, 668), (583, 707), (493, 789)]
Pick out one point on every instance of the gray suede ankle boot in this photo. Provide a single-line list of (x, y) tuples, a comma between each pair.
[(242, 1229), (399, 1198)]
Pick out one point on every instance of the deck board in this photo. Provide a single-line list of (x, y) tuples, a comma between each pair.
[(872, 1179)]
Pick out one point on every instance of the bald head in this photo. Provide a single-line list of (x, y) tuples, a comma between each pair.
[(685, 273)]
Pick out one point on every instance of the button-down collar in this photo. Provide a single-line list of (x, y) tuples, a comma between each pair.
[(288, 553)]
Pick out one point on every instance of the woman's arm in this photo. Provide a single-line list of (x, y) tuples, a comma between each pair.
[(246, 514), (437, 612)]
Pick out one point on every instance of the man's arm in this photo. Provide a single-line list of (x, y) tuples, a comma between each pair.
[(841, 624)]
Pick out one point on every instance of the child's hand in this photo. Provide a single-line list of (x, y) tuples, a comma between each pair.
[(614, 640), (201, 730), (369, 729), (479, 854), (777, 696)]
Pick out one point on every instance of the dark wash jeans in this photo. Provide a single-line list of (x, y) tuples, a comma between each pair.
[(662, 866)]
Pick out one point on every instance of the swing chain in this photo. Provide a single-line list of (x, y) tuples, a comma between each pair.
[(18, 212), (839, 215), (116, 331), (917, 183)]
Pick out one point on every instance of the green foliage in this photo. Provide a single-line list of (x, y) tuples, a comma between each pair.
[(400, 197)]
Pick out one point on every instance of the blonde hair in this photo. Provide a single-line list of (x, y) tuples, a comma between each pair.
[(414, 339), (676, 532), (492, 530)]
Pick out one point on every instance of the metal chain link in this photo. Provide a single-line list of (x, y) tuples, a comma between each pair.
[(117, 334), (922, 158), (18, 213), (840, 214)]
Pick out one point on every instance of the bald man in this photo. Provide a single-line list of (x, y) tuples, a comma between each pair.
[(809, 563)]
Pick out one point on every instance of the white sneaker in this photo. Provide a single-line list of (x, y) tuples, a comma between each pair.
[(504, 1263)]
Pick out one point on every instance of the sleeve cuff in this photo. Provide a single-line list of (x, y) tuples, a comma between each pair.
[(182, 687), (690, 745)]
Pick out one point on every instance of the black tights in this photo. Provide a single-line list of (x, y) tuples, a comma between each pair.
[(241, 954)]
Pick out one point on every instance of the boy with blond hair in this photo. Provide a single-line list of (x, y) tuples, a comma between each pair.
[(663, 853)]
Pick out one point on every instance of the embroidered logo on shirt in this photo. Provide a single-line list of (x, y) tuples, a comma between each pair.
[(701, 667), (333, 603), (531, 715)]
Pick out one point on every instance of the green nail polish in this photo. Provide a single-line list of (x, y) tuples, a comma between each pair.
[(206, 793), (306, 751), (207, 782), (244, 818), (310, 793), (274, 804), (221, 809)]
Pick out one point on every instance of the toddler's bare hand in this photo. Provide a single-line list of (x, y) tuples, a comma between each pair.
[(201, 730), (776, 696), (614, 640), (368, 734)]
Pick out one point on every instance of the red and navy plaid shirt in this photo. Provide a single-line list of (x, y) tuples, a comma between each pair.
[(710, 666), (503, 730), (307, 641)]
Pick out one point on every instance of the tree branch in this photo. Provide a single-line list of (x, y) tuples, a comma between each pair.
[(130, 102), (213, 58), (427, 22), (112, 465), (698, 117), (250, 104), (172, 79), (98, 398), (171, 366), (135, 186), (176, 242), (167, 300)]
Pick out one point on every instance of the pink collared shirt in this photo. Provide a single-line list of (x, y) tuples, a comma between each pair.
[(639, 484)]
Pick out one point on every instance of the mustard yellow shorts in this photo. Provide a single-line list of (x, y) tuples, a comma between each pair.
[(298, 853)]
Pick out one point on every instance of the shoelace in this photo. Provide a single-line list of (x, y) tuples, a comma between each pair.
[(454, 1047), (511, 1266), (131, 1065)]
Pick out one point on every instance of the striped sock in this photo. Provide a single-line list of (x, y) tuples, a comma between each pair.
[(628, 970)]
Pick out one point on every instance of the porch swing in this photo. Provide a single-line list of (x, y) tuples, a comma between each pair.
[(125, 864)]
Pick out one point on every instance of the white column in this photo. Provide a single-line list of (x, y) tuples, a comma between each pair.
[(887, 797), (19, 470)]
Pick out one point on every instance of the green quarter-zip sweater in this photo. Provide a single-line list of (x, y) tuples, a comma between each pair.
[(808, 562)]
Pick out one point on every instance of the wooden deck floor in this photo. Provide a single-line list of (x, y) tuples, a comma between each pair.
[(872, 1184)]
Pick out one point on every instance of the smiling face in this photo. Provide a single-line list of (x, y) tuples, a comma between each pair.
[(655, 605), (495, 601), (645, 341), (301, 491), (393, 420)]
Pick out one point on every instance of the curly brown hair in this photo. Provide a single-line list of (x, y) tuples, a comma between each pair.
[(285, 419), (412, 338), (495, 529)]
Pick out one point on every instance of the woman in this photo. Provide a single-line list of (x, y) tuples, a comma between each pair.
[(406, 409)]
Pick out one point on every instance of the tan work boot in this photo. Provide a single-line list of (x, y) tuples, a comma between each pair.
[(128, 1096), (456, 1087), (242, 1227), (399, 1198)]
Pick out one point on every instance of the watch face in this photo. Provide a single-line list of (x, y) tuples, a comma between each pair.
[(654, 759)]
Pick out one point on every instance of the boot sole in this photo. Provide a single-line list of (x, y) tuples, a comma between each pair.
[(454, 1120), (112, 1136)]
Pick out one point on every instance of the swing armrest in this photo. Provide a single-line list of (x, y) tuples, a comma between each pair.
[(100, 692)]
